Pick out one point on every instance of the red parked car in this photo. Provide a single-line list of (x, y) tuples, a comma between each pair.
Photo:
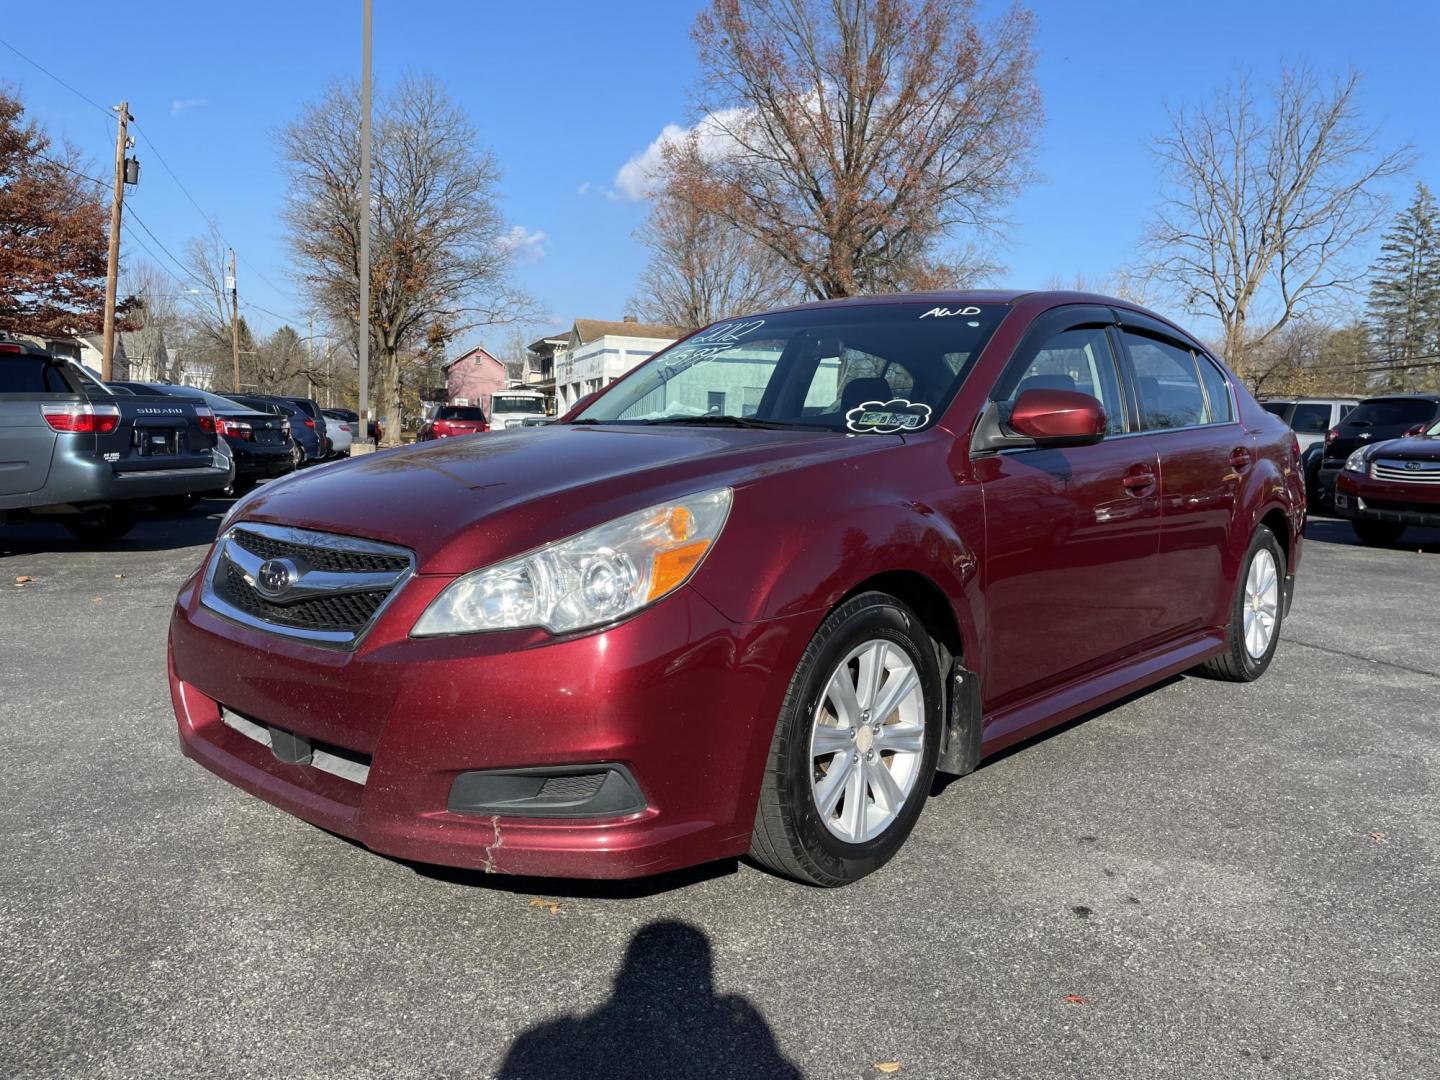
[(1386, 487), (752, 596), (452, 420)]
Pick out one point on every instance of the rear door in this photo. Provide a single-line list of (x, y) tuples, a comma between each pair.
[(1070, 534), (1187, 417)]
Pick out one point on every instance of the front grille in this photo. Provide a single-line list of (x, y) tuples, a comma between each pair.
[(1427, 472), (344, 612), (321, 587), (340, 560)]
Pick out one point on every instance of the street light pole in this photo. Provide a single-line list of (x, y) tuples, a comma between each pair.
[(362, 444)]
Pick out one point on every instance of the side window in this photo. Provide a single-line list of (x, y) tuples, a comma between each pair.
[(1080, 360), (1167, 383), (1217, 393), (1311, 417)]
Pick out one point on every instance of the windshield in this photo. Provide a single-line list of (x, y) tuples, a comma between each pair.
[(515, 403), (871, 368)]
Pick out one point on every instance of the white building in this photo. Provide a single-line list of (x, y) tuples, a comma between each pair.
[(598, 352)]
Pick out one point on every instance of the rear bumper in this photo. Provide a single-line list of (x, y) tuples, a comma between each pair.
[(683, 700), (269, 461), (73, 481), (1358, 496)]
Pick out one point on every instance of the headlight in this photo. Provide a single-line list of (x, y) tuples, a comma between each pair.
[(599, 576), (1356, 461)]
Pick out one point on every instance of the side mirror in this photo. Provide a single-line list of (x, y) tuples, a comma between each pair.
[(1040, 418)]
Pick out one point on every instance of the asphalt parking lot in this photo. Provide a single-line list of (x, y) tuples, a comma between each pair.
[(1208, 880)]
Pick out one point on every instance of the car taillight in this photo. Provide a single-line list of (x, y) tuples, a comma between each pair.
[(87, 418), (1331, 435), (8, 348), (236, 429), (309, 423), (206, 419)]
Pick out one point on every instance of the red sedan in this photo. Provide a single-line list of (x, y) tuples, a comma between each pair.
[(452, 420), (752, 596)]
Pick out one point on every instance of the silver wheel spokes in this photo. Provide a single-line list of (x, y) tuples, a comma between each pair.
[(1262, 603), (867, 737)]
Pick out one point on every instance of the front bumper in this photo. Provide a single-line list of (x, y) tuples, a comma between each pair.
[(679, 697), (1359, 496), (265, 461)]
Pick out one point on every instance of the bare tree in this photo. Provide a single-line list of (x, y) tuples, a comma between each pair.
[(1266, 203), (438, 256), (701, 269), (852, 138)]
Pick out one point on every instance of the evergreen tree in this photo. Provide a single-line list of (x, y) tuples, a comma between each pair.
[(1404, 308)]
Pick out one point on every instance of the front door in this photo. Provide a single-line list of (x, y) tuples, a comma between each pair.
[(1071, 534)]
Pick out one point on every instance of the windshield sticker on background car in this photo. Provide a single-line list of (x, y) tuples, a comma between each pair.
[(887, 417)]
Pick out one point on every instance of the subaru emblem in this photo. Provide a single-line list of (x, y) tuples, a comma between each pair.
[(275, 577)]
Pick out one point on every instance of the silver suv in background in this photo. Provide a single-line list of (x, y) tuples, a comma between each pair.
[(1311, 419)]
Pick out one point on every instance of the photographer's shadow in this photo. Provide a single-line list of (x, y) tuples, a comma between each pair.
[(663, 1020)]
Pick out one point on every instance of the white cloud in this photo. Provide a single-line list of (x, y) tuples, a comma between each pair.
[(583, 189), (636, 178), (526, 246), (180, 105)]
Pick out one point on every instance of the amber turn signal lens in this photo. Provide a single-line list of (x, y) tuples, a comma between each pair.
[(674, 565)]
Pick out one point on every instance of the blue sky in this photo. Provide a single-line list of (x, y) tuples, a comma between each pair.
[(567, 93)]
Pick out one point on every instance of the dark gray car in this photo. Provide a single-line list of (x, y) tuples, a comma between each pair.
[(72, 451)]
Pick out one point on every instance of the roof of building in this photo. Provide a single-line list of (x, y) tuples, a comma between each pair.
[(590, 329), (467, 354)]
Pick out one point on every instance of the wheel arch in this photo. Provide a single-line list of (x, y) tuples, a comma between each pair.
[(964, 723)]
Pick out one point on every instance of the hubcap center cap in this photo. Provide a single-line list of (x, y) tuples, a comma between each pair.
[(864, 740)]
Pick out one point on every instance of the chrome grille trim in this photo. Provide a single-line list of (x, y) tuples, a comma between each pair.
[(1413, 471), (310, 585)]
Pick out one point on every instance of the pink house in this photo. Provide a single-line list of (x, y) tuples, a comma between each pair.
[(472, 377)]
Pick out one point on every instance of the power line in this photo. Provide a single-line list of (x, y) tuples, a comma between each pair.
[(109, 113), (184, 269)]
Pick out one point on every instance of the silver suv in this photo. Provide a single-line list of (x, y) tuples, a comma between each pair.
[(1311, 419)]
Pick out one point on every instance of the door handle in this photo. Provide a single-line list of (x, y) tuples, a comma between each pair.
[(1240, 458), (1139, 480)]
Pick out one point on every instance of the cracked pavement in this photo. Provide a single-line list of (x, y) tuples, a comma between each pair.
[(1207, 880)]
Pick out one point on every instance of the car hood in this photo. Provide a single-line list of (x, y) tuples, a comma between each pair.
[(1411, 449), (467, 502)]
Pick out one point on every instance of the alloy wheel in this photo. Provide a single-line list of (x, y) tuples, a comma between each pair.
[(1262, 603), (867, 740)]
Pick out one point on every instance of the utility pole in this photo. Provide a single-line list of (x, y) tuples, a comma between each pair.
[(362, 444), (231, 283), (112, 268)]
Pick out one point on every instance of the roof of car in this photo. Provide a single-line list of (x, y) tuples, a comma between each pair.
[(1424, 395)]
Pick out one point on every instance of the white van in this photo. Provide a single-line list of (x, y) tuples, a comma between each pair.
[(512, 408)]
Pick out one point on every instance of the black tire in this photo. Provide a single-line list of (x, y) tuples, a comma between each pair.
[(1377, 533), (241, 485), (297, 455), (1236, 664), (101, 526), (789, 836)]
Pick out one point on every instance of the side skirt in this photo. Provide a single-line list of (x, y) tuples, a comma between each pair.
[(1034, 715)]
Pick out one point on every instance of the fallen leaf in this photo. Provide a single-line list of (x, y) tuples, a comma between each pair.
[(23, 579), (97, 600), (119, 577), (1076, 999), (552, 906), (888, 1066), (1379, 838)]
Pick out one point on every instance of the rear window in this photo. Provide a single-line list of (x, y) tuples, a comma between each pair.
[(34, 375), (1279, 408), (1385, 413), (459, 412)]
